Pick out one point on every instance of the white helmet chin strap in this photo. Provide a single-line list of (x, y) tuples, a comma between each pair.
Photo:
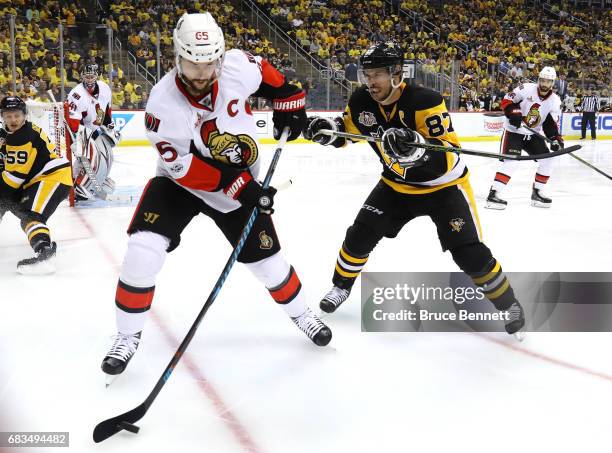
[(394, 87)]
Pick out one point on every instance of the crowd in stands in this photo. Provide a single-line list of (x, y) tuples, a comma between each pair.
[(489, 45), (494, 44)]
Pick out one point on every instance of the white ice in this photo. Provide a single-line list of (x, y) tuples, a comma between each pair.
[(251, 381)]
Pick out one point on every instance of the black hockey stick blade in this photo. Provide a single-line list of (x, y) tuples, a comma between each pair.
[(112, 426)]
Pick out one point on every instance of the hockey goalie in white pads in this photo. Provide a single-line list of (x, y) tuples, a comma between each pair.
[(92, 162), (92, 135)]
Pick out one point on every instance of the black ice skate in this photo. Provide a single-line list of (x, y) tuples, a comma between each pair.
[(313, 327), (494, 202), (40, 264), (120, 354), (333, 299), (538, 200), (516, 321)]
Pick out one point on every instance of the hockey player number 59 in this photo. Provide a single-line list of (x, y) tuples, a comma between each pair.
[(435, 124), (166, 151)]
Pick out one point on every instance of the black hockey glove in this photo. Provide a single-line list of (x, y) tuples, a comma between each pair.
[(514, 115), (399, 144), (557, 143), (290, 112), (317, 123), (250, 193)]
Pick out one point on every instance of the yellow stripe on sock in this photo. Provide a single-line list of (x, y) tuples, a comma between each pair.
[(38, 231), (348, 257), (489, 276), (346, 274), (495, 294)]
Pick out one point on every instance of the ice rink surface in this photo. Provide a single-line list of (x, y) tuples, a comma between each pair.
[(251, 382)]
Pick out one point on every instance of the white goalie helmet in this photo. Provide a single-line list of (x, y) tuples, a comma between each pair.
[(198, 38)]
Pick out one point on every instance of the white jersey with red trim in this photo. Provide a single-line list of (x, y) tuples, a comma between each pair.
[(534, 108), (198, 141), (89, 109)]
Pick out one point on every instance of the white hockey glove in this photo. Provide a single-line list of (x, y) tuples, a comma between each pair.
[(399, 144), (110, 134)]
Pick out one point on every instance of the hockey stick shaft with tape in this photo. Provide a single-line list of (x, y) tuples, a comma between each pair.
[(125, 421), (447, 149), (579, 159)]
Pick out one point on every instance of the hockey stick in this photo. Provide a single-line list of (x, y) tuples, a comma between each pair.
[(579, 159), (84, 161), (445, 149), (126, 421)]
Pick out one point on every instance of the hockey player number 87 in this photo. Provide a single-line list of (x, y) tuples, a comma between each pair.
[(435, 125)]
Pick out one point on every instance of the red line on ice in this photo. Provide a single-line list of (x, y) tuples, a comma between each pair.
[(222, 409)]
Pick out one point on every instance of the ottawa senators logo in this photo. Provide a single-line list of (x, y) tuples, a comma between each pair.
[(237, 150), (533, 116), (265, 241)]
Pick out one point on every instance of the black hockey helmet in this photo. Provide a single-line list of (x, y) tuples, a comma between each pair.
[(382, 55), (91, 72), (13, 103), (90, 69)]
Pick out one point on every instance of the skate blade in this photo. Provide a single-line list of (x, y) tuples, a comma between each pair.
[(539, 204), (496, 206), (41, 268), (109, 379), (520, 335)]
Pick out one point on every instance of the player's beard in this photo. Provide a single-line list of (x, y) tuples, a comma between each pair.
[(197, 88)]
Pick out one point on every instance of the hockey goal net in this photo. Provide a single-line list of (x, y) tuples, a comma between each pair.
[(49, 116)]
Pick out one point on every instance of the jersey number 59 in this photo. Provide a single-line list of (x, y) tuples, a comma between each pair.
[(16, 157)]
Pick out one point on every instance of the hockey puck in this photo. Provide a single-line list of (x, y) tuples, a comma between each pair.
[(129, 427)]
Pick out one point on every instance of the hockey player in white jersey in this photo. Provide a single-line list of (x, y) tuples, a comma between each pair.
[(534, 105), (89, 117), (199, 120)]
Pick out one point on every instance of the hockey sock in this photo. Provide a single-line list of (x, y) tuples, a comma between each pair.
[(495, 285), (132, 304), (145, 256), (282, 282), (543, 173), (38, 234), (500, 182), (348, 268)]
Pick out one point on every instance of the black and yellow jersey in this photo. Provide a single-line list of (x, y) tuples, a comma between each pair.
[(29, 157), (422, 110)]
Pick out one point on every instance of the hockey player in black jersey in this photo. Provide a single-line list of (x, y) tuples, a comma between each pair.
[(34, 179), (414, 182)]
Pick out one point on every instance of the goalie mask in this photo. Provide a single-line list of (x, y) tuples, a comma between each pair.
[(379, 67), (546, 79), (89, 77), (199, 48)]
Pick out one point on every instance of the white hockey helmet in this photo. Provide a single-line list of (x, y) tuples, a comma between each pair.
[(548, 73), (198, 38)]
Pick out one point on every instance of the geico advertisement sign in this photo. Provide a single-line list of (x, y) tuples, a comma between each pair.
[(602, 122)]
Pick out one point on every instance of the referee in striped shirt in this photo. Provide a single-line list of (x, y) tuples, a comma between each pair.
[(590, 105)]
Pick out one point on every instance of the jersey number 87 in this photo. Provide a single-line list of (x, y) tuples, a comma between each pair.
[(435, 124)]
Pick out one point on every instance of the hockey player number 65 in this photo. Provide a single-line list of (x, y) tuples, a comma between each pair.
[(164, 148)]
